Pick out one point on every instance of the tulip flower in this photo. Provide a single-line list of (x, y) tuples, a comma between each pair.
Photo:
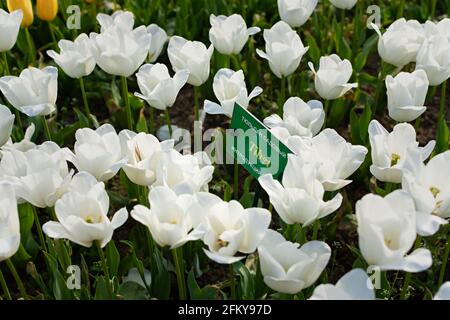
[(443, 27), (300, 188), (401, 42), (9, 222), (143, 153), (167, 219), (406, 95), (40, 175), (230, 34), (289, 268), (229, 229), (284, 49), (10, 25), (433, 56), (76, 57), (27, 10), (389, 150), (98, 152), (157, 87), (299, 118), (354, 285), (387, 232), (6, 124), (24, 145), (296, 13), (343, 4), (444, 292), (47, 10), (34, 92), (190, 55), (331, 80), (428, 189), (122, 19), (159, 38), (82, 214), (333, 157), (230, 88), (181, 172)]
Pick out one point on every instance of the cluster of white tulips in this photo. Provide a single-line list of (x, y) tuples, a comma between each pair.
[(175, 202)]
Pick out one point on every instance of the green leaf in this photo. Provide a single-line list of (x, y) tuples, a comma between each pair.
[(132, 291), (141, 125), (101, 289), (59, 285), (442, 138), (313, 51), (113, 258), (247, 283), (207, 293)]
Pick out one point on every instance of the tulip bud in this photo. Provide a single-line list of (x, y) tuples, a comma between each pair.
[(47, 9), (26, 7)]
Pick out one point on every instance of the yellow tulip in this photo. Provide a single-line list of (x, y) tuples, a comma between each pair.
[(47, 10), (26, 7)]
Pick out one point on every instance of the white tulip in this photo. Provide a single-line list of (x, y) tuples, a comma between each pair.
[(229, 229), (354, 285), (159, 38), (299, 118), (289, 268), (333, 157), (401, 42), (344, 4), (41, 175), (9, 222), (83, 214), (230, 88), (296, 12), (444, 28), (122, 19), (10, 26), (24, 145), (434, 55), (444, 292), (181, 172), (300, 188), (389, 150), (98, 152), (284, 49), (6, 124), (406, 95), (143, 153), (120, 52), (427, 185), (167, 219), (75, 58), (190, 55), (229, 34), (157, 87), (331, 80), (34, 92), (387, 232)]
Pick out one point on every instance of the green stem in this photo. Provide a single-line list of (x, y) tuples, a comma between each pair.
[(442, 102), (236, 180), (4, 286), (179, 266), (401, 9), (16, 277), (236, 63), (152, 120), (48, 134), (316, 227), (409, 274), (196, 103), (168, 122), (124, 84), (233, 283), (417, 124), (39, 228), (282, 97), (31, 57), (105, 267), (52, 34), (379, 89), (433, 8), (444, 262), (85, 100), (5, 59)]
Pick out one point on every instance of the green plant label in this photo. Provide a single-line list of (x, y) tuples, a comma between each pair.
[(253, 146)]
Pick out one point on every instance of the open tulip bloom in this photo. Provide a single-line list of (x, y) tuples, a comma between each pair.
[(444, 292), (389, 150), (230, 88), (159, 38), (123, 19), (9, 222), (387, 232), (10, 26), (296, 13), (229, 34), (344, 4), (289, 268), (6, 124), (34, 92), (83, 214)]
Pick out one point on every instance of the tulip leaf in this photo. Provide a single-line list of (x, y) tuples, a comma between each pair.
[(442, 139), (26, 218), (141, 125), (313, 51), (361, 58), (101, 289), (60, 289), (207, 293), (132, 291), (246, 283), (82, 119), (113, 258)]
